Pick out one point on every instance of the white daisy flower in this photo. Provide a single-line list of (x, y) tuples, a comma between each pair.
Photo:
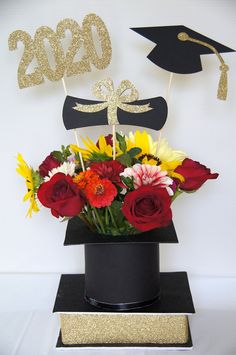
[(67, 168)]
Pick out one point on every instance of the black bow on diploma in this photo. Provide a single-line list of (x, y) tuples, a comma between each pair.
[(116, 108)]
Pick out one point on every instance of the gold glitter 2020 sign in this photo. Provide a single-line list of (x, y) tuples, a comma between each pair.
[(65, 63)]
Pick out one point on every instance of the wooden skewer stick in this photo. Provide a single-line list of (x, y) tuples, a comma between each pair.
[(80, 155), (167, 100), (169, 87), (114, 141), (64, 86), (75, 130)]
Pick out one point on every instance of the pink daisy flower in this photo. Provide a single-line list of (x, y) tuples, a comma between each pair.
[(152, 175)]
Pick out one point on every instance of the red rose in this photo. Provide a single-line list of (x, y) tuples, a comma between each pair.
[(108, 140), (147, 208), (109, 170), (194, 173), (62, 195), (48, 164)]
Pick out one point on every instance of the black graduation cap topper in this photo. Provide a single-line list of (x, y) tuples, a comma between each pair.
[(179, 48), (120, 106)]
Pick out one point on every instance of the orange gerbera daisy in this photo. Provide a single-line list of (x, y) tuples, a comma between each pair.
[(101, 193), (86, 178)]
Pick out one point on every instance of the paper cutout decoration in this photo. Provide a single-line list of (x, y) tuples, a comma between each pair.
[(175, 55), (65, 63), (78, 233), (179, 48), (117, 107)]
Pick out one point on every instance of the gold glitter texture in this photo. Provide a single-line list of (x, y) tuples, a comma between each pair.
[(223, 83), (114, 99), (41, 54), (90, 21), (83, 65), (81, 39), (123, 328), (25, 80)]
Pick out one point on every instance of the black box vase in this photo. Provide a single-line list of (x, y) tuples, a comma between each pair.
[(121, 272), (122, 276)]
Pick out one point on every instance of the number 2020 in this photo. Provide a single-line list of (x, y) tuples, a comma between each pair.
[(64, 63)]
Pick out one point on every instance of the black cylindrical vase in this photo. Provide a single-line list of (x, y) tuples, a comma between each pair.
[(122, 276)]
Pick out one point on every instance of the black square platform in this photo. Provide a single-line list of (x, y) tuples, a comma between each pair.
[(175, 299)]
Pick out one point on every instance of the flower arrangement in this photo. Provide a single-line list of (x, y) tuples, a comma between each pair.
[(126, 195)]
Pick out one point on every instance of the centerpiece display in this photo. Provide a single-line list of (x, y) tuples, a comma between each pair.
[(116, 192)]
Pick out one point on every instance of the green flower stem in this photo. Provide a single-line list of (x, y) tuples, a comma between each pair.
[(95, 222), (99, 220), (91, 220), (89, 214), (112, 217), (106, 217), (177, 193), (84, 218)]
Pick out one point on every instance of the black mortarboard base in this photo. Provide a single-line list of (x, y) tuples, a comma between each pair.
[(163, 324), (78, 233)]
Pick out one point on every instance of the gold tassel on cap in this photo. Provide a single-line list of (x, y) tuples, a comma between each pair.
[(223, 83)]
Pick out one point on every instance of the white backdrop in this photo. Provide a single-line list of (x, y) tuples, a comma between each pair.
[(198, 123)]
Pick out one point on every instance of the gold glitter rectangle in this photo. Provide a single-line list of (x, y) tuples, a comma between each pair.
[(123, 329)]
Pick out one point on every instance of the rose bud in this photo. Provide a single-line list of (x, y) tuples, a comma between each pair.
[(194, 173), (48, 164)]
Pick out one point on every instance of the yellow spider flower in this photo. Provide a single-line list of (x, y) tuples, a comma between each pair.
[(24, 170), (99, 152)]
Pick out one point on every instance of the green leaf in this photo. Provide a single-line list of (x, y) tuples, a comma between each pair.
[(125, 159), (66, 151), (62, 155), (122, 142), (128, 181), (116, 206), (98, 157), (37, 179), (117, 213), (134, 151), (58, 155)]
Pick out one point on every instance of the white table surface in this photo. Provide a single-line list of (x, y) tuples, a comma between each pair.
[(28, 327)]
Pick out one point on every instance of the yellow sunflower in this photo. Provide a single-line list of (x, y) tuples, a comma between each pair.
[(144, 141), (100, 152), (24, 170), (170, 159), (151, 154)]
